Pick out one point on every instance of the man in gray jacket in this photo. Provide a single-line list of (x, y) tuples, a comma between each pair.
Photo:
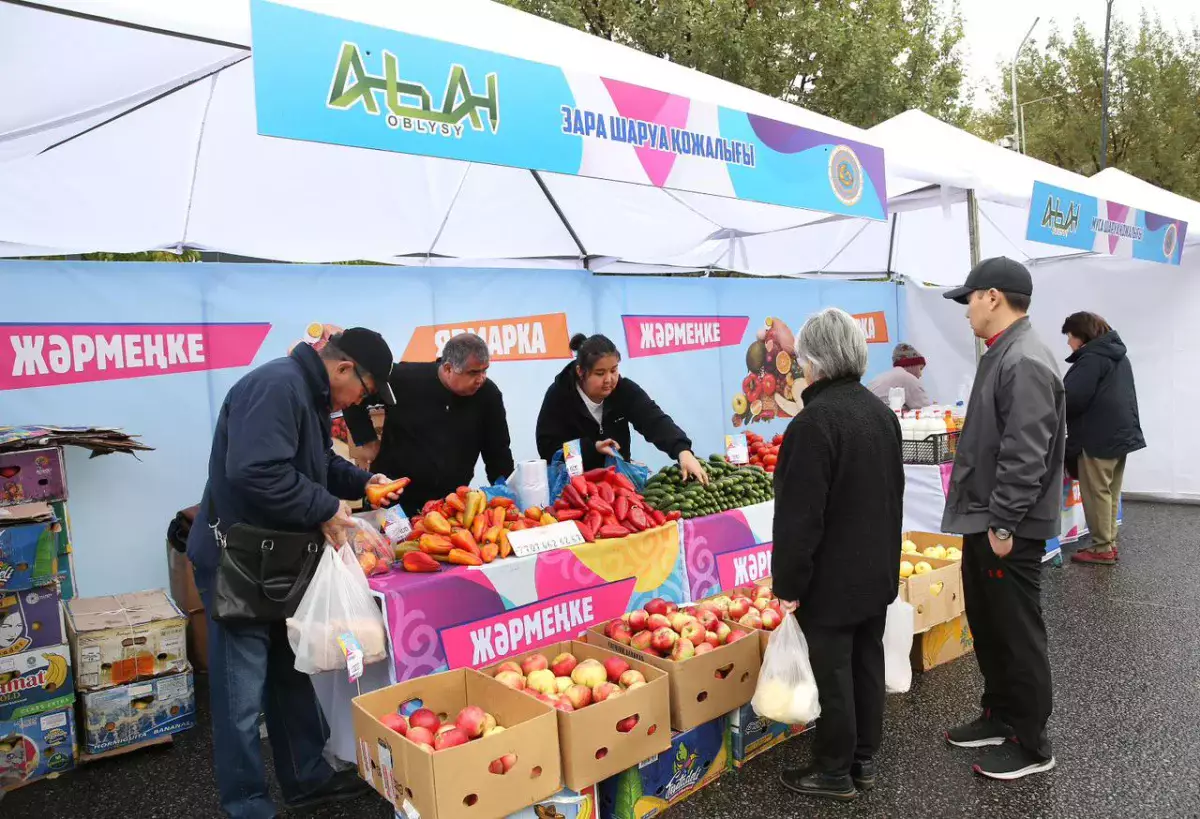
[(1006, 499)]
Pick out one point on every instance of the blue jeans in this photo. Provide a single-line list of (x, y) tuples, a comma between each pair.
[(252, 670)]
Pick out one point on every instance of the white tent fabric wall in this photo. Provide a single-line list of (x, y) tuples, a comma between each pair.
[(161, 152), (1151, 306)]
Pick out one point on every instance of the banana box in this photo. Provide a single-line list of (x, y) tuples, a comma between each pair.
[(133, 713), (751, 735), (30, 619), (696, 759), (36, 747), (35, 681), (125, 638), (28, 547)]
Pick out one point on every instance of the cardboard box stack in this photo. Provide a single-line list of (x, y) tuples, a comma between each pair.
[(940, 626), (131, 667), (37, 697)]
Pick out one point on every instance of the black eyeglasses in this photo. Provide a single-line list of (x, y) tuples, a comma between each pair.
[(366, 389)]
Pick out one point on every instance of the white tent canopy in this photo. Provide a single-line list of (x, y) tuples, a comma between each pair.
[(152, 144)]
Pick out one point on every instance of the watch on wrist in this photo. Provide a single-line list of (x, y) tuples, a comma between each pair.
[(1002, 534)]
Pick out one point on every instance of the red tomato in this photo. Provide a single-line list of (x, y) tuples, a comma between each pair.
[(771, 460), (777, 441)]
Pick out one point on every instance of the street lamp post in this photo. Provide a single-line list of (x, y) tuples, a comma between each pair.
[(1104, 90), (1016, 111)]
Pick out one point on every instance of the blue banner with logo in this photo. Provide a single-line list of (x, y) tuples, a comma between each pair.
[(1058, 216), (325, 79)]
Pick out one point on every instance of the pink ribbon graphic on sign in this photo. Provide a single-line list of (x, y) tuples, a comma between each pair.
[(648, 105)]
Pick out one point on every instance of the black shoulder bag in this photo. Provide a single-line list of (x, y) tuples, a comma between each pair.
[(263, 573)]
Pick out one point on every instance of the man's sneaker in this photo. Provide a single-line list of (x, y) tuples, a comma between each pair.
[(341, 786), (1087, 556), (1010, 761), (863, 774), (984, 731), (815, 783)]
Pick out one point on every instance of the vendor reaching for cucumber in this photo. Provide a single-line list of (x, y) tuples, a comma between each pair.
[(591, 402)]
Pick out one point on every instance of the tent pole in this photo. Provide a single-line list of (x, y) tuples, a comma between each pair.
[(583, 254), (892, 245), (98, 18), (973, 235)]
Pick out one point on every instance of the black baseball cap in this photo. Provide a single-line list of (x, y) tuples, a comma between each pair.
[(370, 352), (1000, 273)]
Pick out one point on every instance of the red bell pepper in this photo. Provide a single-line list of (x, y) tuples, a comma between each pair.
[(617, 479), (595, 474), (574, 498), (580, 484), (588, 534), (605, 491), (570, 514), (611, 531), (621, 508), (659, 517), (600, 505), (594, 520)]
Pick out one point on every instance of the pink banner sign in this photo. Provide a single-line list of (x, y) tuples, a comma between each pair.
[(563, 617), (663, 335), (52, 355), (744, 567)]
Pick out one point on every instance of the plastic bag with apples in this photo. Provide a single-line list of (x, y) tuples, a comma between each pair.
[(787, 688), (897, 644), (338, 600)]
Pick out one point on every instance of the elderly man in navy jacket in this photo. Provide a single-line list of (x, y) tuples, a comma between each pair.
[(272, 466)]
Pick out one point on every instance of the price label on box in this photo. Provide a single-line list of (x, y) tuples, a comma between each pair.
[(737, 450), (545, 538), (396, 525), (573, 457)]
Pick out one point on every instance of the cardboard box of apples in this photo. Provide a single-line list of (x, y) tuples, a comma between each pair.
[(711, 667), (753, 607), (613, 712), (457, 744), (931, 578)]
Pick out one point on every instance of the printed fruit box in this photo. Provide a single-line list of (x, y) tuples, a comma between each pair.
[(751, 735), (28, 547), (133, 713), (706, 686), (35, 681), (598, 739), (30, 619), (36, 747), (32, 475), (459, 781), (941, 644), (566, 804), (696, 759)]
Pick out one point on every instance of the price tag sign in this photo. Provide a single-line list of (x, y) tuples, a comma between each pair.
[(573, 457), (737, 450), (545, 538), (354, 655), (396, 525)]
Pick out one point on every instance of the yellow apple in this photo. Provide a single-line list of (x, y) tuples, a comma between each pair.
[(906, 568), (908, 547), (922, 568), (953, 554)]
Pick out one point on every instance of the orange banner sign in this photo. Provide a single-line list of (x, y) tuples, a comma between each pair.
[(525, 338), (874, 327)]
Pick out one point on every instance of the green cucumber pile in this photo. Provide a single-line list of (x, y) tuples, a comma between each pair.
[(730, 487)]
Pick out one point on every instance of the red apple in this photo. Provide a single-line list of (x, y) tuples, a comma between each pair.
[(739, 607), (450, 739), (510, 665), (693, 631), (671, 609), (683, 650), (664, 639), (680, 619), (703, 648), (580, 696), (656, 621), (762, 603), (656, 606), (751, 619), (641, 641), (589, 673), (564, 705), (424, 718), (734, 636), (395, 722), (712, 638), (626, 725), (708, 619), (534, 662), (513, 679), (630, 677), (472, 720), (421, 736), (638, 620), (605, 691), (723, 632), (563, 665), (771, 619), (614, 667), (622, 635), (503, 765)]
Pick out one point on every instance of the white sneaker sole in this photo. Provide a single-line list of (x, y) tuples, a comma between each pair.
[(1040, 767), (978, 743)]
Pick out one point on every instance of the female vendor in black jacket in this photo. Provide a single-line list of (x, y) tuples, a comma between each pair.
[(591, 402)]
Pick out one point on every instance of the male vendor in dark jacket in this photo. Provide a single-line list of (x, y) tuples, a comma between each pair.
[(272, 466), (448, 415), (1006, 499)]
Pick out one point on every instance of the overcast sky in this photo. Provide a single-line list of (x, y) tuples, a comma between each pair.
[(994, 28)]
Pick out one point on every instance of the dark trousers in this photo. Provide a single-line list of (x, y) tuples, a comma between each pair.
[(847, 662), (252, 671), (1004, 608)]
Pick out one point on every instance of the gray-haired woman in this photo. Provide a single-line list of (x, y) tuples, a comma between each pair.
[(839, 490)]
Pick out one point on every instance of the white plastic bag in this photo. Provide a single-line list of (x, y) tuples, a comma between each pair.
[(787, 689), (338, 600), (897, 645), (531, 481)]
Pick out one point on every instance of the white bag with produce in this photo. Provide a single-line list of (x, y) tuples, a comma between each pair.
[(787, 689), (337, 601), (897, 645)]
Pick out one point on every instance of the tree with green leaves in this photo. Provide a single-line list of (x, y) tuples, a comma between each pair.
[(859, 61), (1154, 100)]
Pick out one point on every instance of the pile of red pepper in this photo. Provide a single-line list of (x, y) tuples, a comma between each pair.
[(605, 504)]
